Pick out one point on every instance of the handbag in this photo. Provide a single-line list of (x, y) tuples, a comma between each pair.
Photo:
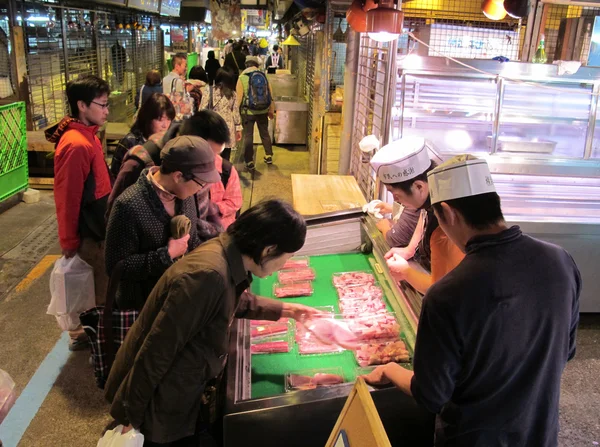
[(107, 328)]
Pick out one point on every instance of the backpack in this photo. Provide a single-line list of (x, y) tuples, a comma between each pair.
[(259, 95)]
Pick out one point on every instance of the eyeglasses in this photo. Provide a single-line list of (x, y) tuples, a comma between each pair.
[(202, 185), (104, 106)]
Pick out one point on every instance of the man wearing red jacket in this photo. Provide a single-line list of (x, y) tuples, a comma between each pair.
[(82, 181)]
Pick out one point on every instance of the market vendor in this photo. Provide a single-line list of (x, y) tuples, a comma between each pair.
[(496, 332), (180, 339), (403, 166), (398, 229)]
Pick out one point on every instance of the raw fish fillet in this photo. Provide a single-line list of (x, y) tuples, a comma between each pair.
[(359, 292), (255, 323), (301, 382), (382, 353), (292, 290), (271, 347), (357, 308), (292, 276), (376, 326), (333, 332), (353, 279), (269, 329), (295, 264)]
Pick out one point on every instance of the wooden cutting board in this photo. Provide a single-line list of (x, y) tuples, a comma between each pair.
[(319, 194)]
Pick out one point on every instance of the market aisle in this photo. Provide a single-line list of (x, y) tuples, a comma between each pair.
[(274, 180)]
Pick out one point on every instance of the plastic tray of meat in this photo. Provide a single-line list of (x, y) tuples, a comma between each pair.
[(359, 292), (268, 330), (313, 378), (292, 290), (308, 344), (271, 345), (375, 327), (297, 275), (361, 308), (380, 353), (255, 323), (333, 330), (345, 279), (296, 262)]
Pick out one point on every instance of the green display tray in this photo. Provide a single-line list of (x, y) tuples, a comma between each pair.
[(268, 370)]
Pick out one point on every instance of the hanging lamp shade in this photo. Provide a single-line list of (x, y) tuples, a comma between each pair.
[(493, 9), (357, 17), (517, 9), (291, 41), (339, 35)]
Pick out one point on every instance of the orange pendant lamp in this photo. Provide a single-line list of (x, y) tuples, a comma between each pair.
[(357, 17), (493, 9)]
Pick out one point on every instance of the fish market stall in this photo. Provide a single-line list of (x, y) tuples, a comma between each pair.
[(284, 385)]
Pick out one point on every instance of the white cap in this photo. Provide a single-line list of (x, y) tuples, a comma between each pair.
[(368, 143), (401, 160), (461, 176)]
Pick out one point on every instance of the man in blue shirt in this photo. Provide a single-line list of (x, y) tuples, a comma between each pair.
[(497, 331)]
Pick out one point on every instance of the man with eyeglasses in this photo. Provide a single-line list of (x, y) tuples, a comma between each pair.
[(140, 224), (82, 182)]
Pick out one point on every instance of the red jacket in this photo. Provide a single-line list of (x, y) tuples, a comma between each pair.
[(81, 182)]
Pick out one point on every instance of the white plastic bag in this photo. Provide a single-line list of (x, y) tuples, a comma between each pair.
[(71, 290), (115, 438), (8, 396)]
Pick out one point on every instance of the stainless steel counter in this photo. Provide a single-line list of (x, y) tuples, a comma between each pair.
[(291, 120)]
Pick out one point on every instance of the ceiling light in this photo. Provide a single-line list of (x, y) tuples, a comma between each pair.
[(493, 9), (384, 23)]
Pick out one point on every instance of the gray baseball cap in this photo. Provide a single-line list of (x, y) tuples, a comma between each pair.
[(191, 154)]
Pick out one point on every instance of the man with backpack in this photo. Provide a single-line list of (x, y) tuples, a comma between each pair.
[(256, 100)]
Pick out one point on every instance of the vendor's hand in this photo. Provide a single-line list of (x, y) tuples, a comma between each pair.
[(178, 247), (238, 135), (398, 266), (403, 252), (377, 376), (298, 312), (384, 208), (69, 253)]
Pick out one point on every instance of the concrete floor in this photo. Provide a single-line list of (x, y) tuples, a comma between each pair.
[(74, 413)]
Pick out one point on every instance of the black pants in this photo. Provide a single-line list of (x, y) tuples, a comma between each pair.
[(262, 121), (200, 439)]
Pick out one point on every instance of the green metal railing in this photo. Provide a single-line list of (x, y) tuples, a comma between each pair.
[(14, 175)]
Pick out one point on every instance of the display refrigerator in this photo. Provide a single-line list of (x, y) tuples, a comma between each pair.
[(260, 407), (536, 128)]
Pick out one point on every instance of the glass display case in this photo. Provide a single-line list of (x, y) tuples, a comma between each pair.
[(514, 114), (537, 130)]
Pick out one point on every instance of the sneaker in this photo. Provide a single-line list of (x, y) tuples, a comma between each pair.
[(79, 344), (269, 160), (250, 166)]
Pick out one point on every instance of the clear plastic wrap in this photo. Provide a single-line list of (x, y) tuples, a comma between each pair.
[(380, 353), (292, 290), (297, 275), (308, 344), (270, 329), (296, 262), (345, 279), (313, 378), (271, 345), (359, 292), (375, 327), (361, 307)]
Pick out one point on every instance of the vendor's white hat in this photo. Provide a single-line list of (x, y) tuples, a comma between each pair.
[(401, 160), (461, 176)]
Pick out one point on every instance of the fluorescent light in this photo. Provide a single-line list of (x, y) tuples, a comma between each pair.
[(383, 36)]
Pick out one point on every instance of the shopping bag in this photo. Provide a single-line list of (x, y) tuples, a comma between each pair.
[(116, 438), (8, 395), (71, 287)]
